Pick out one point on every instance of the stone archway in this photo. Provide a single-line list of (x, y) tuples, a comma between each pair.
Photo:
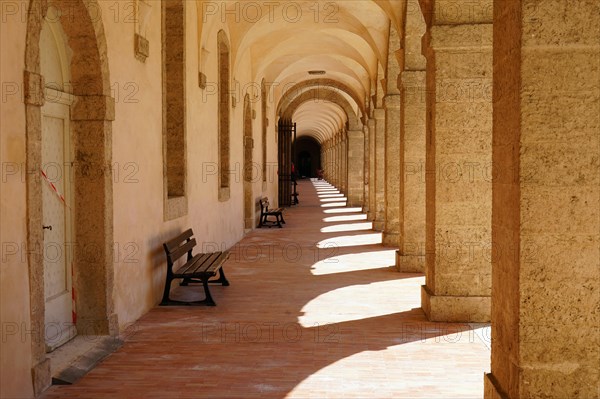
[(323, 94), (91, 130), (347, 165), (320, 86)]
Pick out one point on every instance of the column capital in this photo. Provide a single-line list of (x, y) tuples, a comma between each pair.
[(355, 134), (408, 76), (444, 12), (392, 101)]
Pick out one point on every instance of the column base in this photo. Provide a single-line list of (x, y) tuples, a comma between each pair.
[(378, 225), (390, 239), (490, 388), (42, 377), (456, 309), (410, 263), (355, 202)]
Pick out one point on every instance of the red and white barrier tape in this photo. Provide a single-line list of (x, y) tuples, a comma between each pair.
[(53, 187)]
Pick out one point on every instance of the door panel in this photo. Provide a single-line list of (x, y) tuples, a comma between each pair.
[(56, 164)]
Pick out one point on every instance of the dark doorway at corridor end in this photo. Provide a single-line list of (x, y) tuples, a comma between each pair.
[(307, 156)]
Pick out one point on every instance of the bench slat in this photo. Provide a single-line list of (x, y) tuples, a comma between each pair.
[(179, 252), (218, 262), (191, 266), (186, 267), (205, 265), (174, 243)]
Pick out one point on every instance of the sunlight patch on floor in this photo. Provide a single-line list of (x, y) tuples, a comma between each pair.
[(345, 218), (333, 199), (354, 262), (347, 227), (327, 190), (349, 241), (343, 210), (398, 370), (333, 204), (361, 301)]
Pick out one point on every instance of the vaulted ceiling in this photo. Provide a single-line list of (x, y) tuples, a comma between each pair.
[(348, 40)]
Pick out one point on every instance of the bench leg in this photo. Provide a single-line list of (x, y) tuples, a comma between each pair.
[(222, 279), (208, 300), (281, 216), (165, 299), (267, 222)]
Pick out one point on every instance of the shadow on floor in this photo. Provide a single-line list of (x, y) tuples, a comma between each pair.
[(297, 321)]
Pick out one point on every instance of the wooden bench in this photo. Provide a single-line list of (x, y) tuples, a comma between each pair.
[(197, 268), (265, 212)]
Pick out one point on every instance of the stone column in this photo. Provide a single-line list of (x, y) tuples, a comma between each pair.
[(332, 161), (338, 168), (379, 221), (372, 170), (326, 165), (458, 178), (325, 160), (344, 163), (355, 161), (366, 171), (411, 255), (546, 216), (391, 232)]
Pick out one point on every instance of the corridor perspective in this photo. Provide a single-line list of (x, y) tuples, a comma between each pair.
[(314, 310), (437, 163)]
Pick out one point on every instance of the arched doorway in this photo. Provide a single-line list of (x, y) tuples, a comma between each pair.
[(57, 157), (81, 112), (308, 156)]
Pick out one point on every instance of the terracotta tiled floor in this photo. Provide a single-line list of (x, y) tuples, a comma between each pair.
[(314, 310)]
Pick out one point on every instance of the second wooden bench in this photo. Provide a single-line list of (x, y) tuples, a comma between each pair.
[(265, 212)]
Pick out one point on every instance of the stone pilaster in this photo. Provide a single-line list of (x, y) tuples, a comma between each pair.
[(325, 165), (333, 162), (344, 163), (372, 170), (366, 170), (338, 163), (326, 162), (458, 178), (355, 162), (391, 232), (411, 255), (546, 194), (379, 221)]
